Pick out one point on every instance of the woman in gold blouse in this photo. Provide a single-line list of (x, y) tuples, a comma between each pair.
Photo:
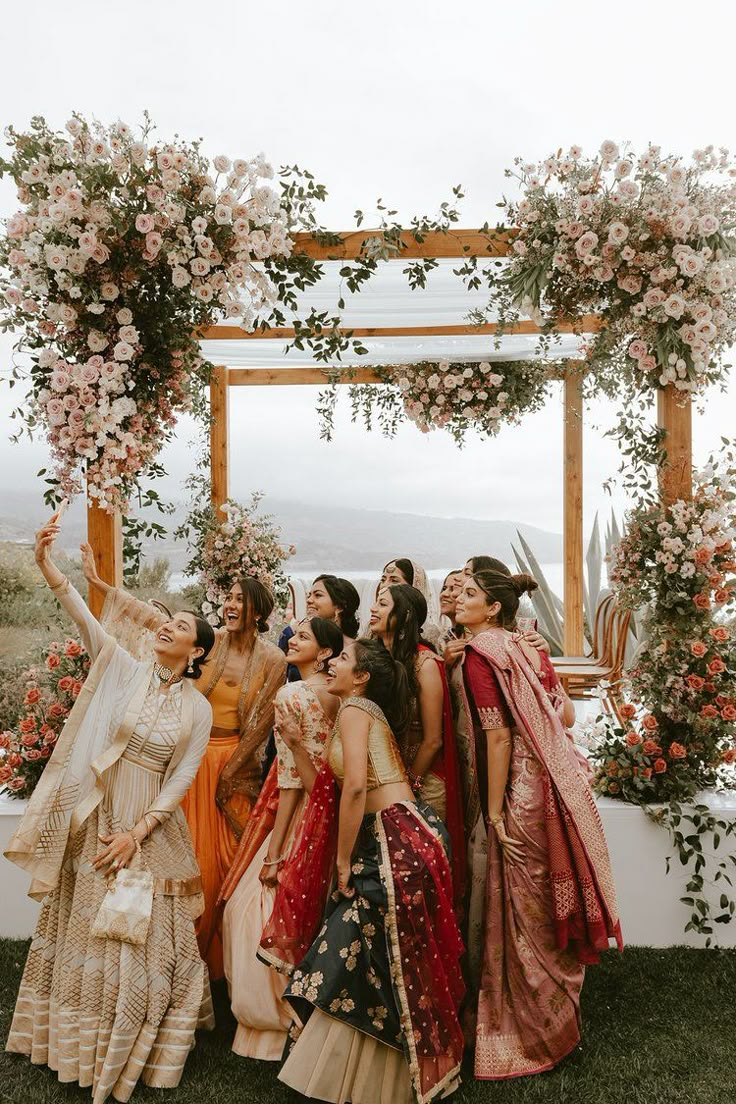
[(240, 680), (379, 986)]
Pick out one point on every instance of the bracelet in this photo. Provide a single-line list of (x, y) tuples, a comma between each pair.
[(416, 781), (496, 819), (274, 862), (59, 586)]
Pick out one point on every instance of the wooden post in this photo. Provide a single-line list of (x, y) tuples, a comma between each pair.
[(219, 437), (676, 419), (105, 534), (574, 638)]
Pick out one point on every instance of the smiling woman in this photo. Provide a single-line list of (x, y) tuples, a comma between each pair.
[(240, 679), (95, 1009)]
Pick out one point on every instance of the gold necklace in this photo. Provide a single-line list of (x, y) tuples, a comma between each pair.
[(166, 675)]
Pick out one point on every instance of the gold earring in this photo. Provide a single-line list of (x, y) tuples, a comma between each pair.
[(319, 665)]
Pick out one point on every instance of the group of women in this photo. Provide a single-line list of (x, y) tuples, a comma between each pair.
[(412, 866)]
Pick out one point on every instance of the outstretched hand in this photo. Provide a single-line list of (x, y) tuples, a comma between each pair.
[(89, 566), (45, 538)]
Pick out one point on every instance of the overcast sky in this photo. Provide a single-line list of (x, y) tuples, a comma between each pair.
[(399, 100)]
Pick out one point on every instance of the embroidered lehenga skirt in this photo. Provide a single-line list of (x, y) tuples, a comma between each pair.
[(378, 990), (98, 1011)]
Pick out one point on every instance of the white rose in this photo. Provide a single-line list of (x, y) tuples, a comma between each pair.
[(618, 232), (609, 150), (223, 214), (109, 291), (97, 341), (123, 351), (180, 277), (124, 317), (128, 334), (222, 163)]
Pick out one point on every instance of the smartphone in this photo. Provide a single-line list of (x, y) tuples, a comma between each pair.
[(61, 510)]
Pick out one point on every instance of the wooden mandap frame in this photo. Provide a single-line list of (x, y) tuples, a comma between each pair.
[(105, 530)]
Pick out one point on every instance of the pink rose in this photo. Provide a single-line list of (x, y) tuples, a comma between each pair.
[(144, 224)]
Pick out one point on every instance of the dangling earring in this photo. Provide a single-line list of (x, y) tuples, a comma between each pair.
[(190, 668)]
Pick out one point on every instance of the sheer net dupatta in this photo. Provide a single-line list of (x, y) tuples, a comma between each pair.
[(305, 881), (260, 824), (93, 738), (132, 622), (424, 946)]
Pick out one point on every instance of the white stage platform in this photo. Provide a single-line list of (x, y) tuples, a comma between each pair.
[(651, 913)]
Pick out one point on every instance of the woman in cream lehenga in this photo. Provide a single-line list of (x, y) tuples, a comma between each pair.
[(305, 713), (240, 681), (97, 1010)]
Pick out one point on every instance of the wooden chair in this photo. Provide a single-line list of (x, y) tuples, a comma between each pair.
[(579, 679), (600, 655)]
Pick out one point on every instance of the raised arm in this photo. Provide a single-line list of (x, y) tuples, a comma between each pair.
[(93, 635)]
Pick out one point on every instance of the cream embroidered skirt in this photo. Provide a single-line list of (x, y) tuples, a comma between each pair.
[(105, 1013)]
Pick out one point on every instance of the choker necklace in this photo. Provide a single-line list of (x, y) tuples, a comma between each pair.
[(166, 675)]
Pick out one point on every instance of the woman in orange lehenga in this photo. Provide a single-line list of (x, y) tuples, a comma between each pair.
[(550, 903), (240, 679)]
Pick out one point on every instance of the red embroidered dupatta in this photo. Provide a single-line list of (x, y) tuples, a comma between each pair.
[(584, 897)]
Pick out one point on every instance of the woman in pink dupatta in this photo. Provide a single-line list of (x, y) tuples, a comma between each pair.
[(550, 899)]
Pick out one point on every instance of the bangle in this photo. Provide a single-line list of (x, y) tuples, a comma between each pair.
[(496, 819), (136, 841), (274, 862), (59, 586)]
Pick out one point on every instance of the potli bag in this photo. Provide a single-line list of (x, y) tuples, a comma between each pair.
[(125, 912)]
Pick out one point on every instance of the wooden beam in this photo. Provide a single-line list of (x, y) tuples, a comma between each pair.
[(675, 417), (454, 243), (105, 534), (573, 515), (307, 375), (219, 437), (591, 323)]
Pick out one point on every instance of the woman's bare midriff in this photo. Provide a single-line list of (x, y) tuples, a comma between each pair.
[(384, 796)]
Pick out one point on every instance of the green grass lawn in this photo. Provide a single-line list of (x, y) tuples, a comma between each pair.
[(659, 1028)]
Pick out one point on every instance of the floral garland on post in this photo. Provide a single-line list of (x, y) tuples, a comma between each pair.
[(51, 690), (120, 251), (455, 396), (677, 734), (242, 543)]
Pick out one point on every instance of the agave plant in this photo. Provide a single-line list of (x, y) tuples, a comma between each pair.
[(550, 609)]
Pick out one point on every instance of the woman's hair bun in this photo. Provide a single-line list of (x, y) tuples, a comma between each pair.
[(262, 625), (524, 584)]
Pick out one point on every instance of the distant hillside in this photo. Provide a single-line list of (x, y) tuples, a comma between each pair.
[(334, 537)]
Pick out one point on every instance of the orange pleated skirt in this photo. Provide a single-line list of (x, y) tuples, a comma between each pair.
[(215, 845)]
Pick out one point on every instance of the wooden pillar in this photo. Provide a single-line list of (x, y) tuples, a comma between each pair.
[(219, 437), (574, 638), (676, 419), (105, 534)]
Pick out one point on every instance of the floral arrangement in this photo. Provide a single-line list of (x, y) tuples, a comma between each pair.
[(51, 690), (121, 249), (678, 563), (458, 397), (645, 241), (244, 543)]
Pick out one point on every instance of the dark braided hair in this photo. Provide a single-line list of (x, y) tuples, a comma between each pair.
[(328, 634), (507, 590), (344, 597), (387, 684), (487, 563), (405, 622)]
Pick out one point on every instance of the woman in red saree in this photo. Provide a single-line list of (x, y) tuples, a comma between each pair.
[(550, 900), (428, 745), (377, 987)]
